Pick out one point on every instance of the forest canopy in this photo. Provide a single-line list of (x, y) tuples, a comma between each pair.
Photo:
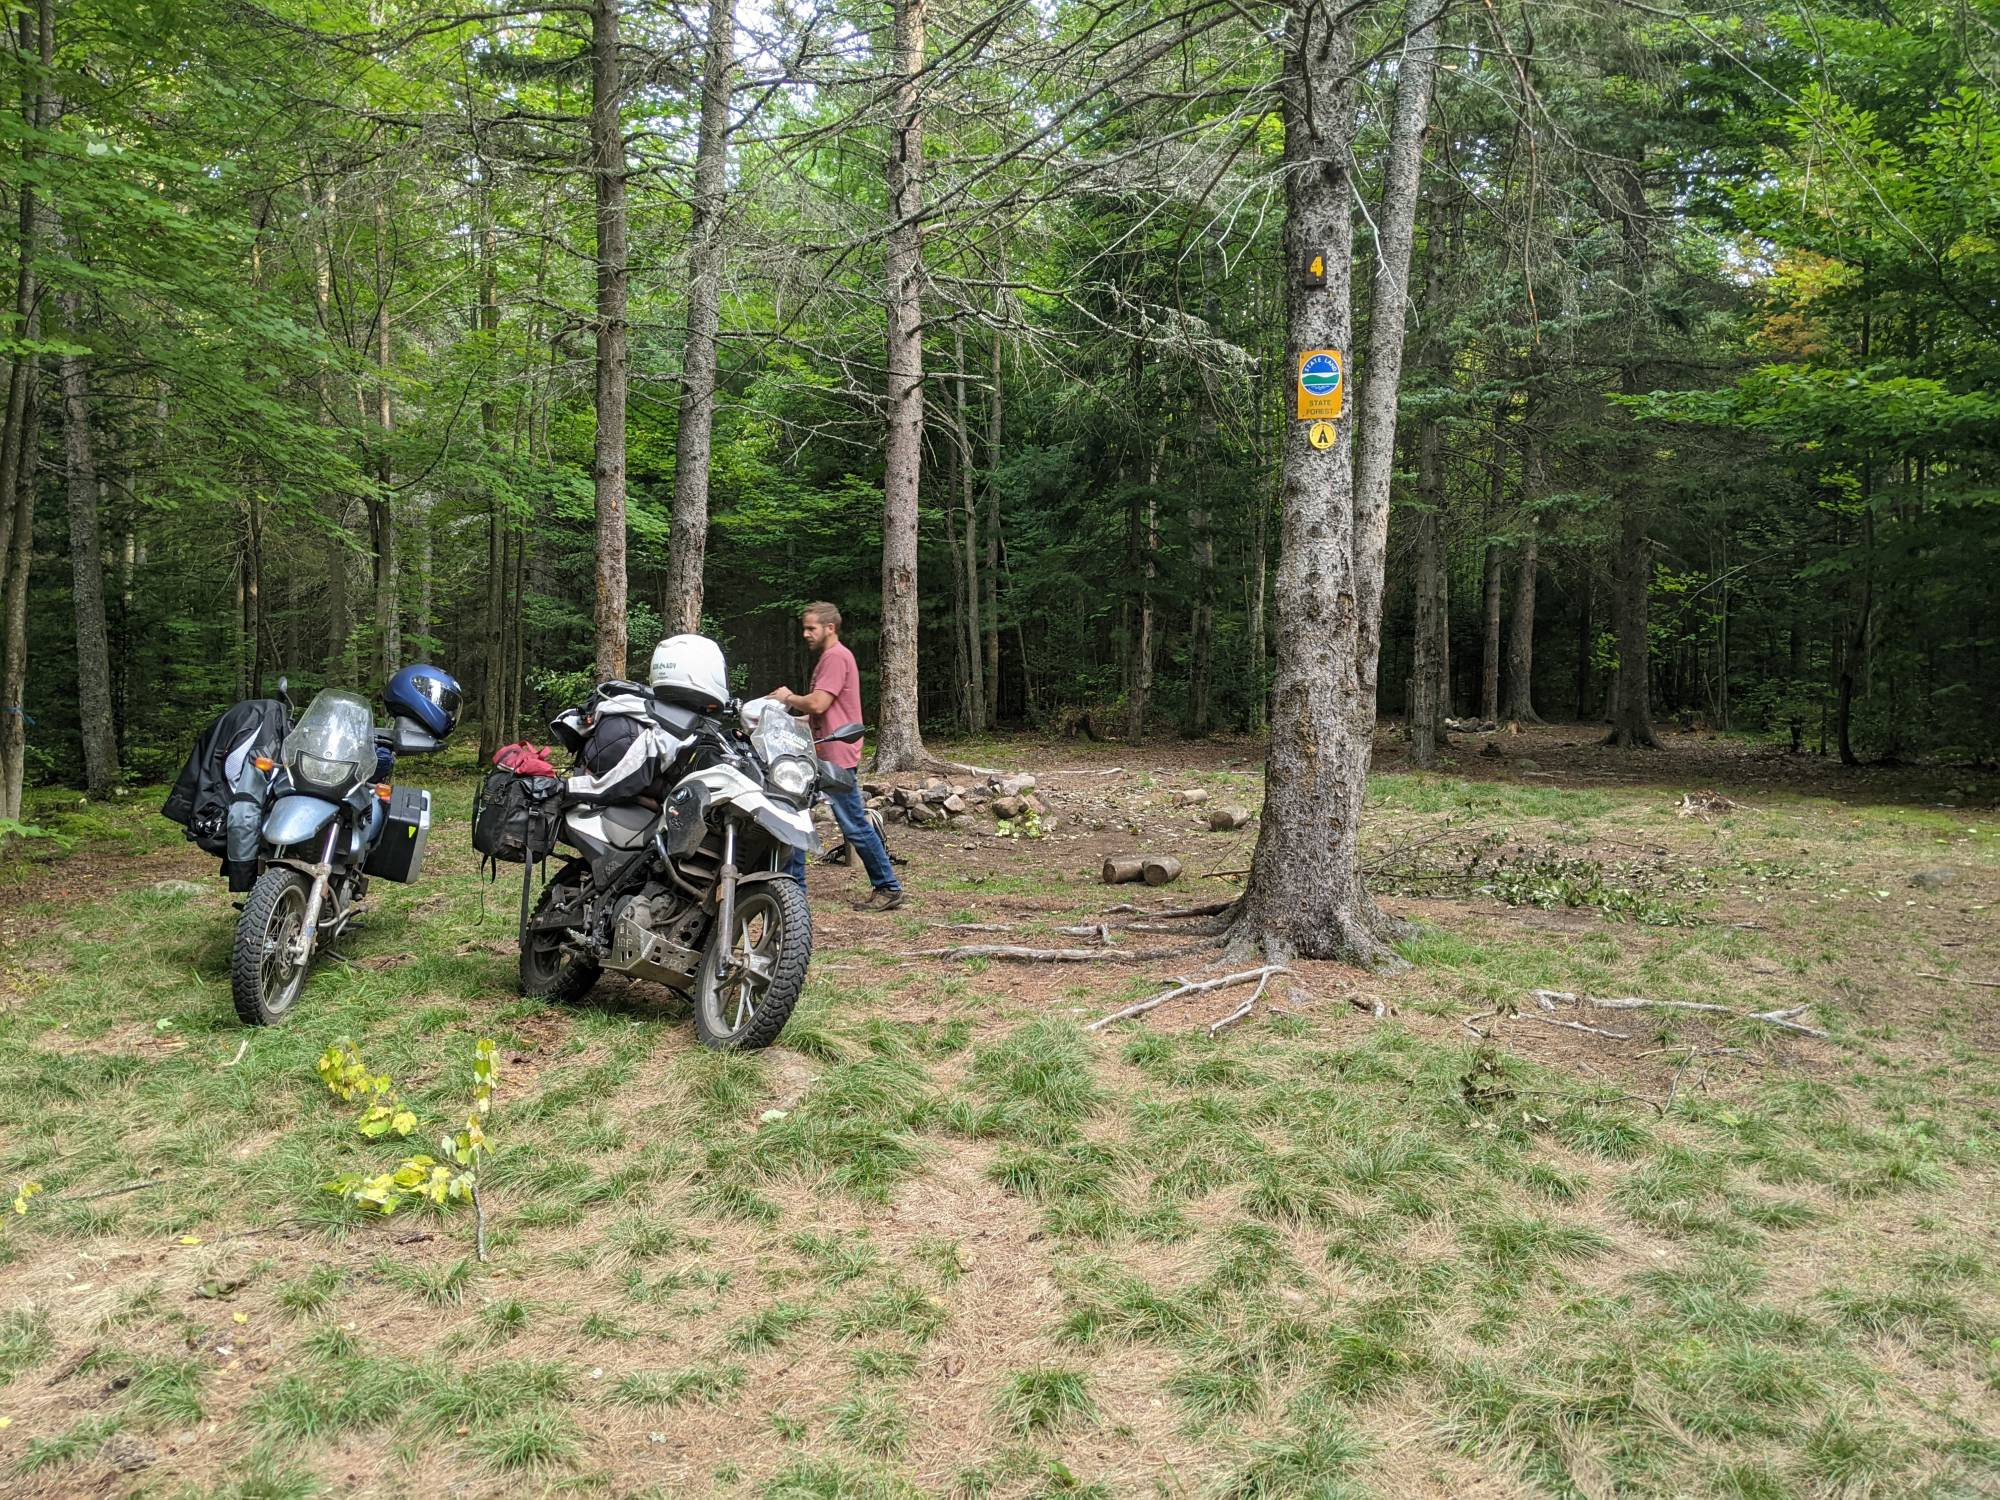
[(314, 306)]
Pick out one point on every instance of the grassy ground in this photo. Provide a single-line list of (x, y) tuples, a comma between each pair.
[(945, 1241)]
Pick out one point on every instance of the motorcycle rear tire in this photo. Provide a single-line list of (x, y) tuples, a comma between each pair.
[(547, 973), (262, 982), (775, 916)]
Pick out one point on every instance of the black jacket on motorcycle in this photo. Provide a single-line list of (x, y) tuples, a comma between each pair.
[(200, 799)]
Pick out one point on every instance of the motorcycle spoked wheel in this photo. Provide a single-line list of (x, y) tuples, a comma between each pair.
[(769, 948), (265, 973), (548, 970)]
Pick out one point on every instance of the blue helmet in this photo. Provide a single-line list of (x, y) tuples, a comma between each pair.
[(426, 695)]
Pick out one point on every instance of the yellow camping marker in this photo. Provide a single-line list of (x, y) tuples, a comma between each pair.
[(1321, 434)]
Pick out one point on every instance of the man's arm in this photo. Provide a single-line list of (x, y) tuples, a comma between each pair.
[(803, 703)]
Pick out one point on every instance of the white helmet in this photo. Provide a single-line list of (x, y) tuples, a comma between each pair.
[(689, 670)]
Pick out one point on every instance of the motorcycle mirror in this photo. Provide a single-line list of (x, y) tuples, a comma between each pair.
[(847, 734), (284, 691)]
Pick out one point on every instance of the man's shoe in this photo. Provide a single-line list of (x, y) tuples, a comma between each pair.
[(882, 898)]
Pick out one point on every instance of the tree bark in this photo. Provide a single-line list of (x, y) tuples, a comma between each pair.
[(900, 745), (86, 548), (1520, 704), (1304, 893), (975, 656), (991, 608), (1140, 693), (382, 505), (1390, 297), (607, 152), (1632, 719), (687, 542), (1430, 673), (20, 489)]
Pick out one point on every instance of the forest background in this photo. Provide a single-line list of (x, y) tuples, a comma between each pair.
[(347, 334)]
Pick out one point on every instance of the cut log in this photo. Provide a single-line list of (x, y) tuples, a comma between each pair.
[(1161, 869), (1227, 819), (1122, 869)]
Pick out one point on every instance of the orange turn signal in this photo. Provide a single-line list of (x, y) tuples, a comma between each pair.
[(264, 763), (382, 790)]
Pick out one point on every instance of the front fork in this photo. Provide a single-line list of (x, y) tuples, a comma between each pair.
[(725, 900), (321, 875)]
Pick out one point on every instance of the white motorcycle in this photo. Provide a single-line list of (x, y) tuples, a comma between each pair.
[(691, 890)]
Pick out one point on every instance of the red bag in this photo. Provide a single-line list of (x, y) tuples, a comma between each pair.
[(525, 759)]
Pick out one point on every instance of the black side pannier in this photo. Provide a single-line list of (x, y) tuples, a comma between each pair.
[(514, 817)]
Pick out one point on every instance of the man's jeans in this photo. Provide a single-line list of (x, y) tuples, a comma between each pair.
[(851, 813)]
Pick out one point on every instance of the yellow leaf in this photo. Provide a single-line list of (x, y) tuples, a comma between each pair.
[(5, 1423), (404, 1122), (240, 1317), (27, 1191)]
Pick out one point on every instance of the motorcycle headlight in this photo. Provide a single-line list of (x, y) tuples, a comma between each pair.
[(323, 775), (792, 776)]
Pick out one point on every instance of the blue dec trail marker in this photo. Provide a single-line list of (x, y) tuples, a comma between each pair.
[(1322, 384)]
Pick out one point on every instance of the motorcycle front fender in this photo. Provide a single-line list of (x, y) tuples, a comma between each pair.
[(294, 819)]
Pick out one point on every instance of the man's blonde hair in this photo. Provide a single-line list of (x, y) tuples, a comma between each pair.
[(826, 614)]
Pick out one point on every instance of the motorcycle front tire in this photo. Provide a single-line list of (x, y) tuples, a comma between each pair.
[(772, 943), (264, 977)]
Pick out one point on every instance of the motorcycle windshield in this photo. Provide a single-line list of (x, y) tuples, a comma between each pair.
[(331, 750), (774, 733)]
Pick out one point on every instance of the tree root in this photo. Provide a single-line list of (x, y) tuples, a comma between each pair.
[(1054, 955), (1183, 986)]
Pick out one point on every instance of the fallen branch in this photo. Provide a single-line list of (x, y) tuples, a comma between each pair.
[(1622, 1036), (975, 926), (1224, 874), (1984, 984), (1186, 987), (1216, 1028), (1099, 930), (1549, 999), (241, 1048), (1782, 1020), (1052, 955)]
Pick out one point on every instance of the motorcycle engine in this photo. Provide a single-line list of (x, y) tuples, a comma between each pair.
[(656, 934)]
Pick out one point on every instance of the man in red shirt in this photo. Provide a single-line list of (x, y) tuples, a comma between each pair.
[(835, 701)]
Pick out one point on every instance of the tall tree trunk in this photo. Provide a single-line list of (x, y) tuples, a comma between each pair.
[(1632, 719), (19, 455), (961, 637), (687, 542), (1389, 294), (1489, 659), (1520, 705), (900, 744), (1586, 598), (382, 505), (19, 489), (1430, 673), (1140, 693), (1304, 893), (1201, 542), (86, 548), (975, 656), (990, 612), (607, 156)]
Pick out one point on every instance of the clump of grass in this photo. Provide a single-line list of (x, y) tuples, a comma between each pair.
[(728, 1198), (1224, 1383), (439, 1285), (542, 1438), (836, 1258), (703, 1384), (871, 1421), (24, 1340), (767, 1327), (1044, 1400), (1311, 1460), (599, 1325), (312, 1292), (1517, 1245), (1043, 1072), (894, 1307), (69, 1446)]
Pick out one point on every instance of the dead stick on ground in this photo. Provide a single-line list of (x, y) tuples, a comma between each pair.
[(1213, 909), (241, 1048), (1053, 955), (1622, 1036), (1185, 987), (1216, 1028), (1984, 984), (1549, 999)]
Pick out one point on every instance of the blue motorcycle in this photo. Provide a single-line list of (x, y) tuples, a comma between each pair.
[(327, 819)]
